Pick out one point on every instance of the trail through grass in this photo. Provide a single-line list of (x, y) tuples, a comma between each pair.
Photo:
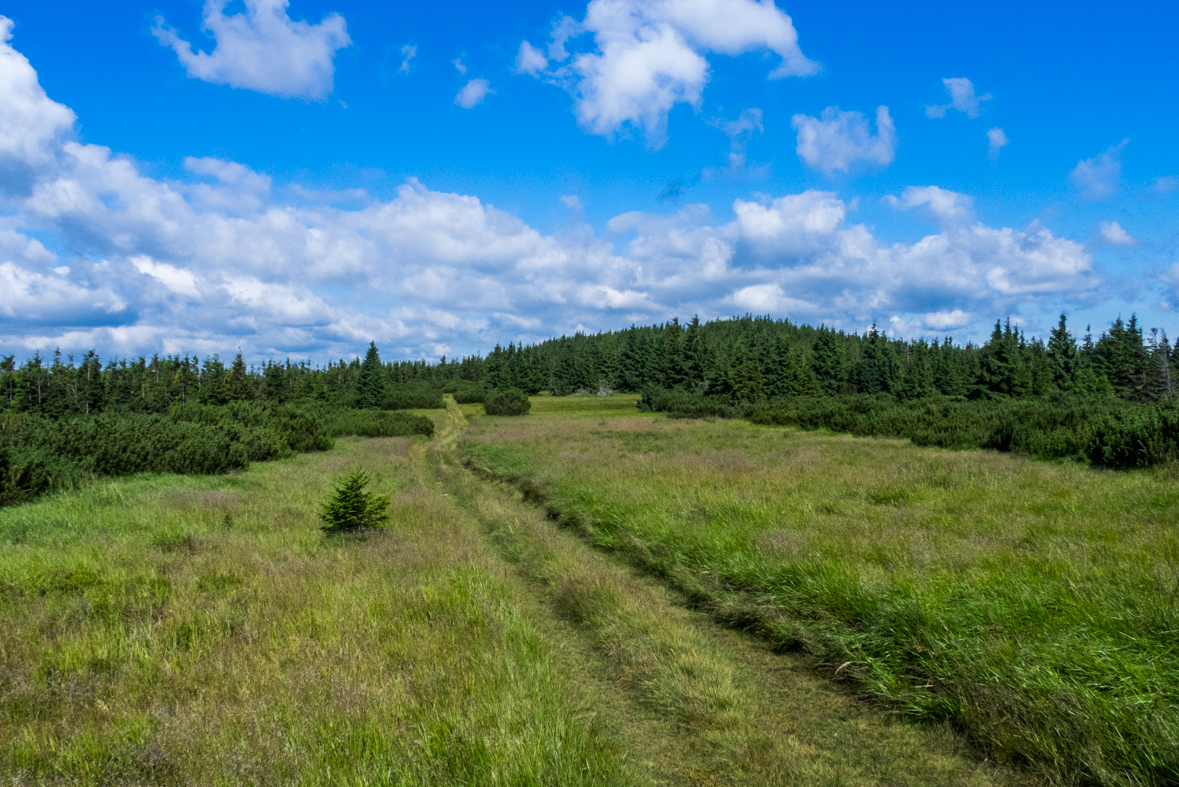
[(731, 711), (1035, 605)]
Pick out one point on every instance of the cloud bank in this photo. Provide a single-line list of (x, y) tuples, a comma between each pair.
[(132, 263)]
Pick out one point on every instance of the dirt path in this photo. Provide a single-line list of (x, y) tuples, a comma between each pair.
[(692, 702)]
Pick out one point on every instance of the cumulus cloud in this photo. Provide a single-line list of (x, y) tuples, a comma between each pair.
[(946, 207), (31, 124), (156, 266), (838, 140), (962, 99), (996, 141), (181, 282), (263, 49), (473, 93), (1112, 232), (649, 55), (1097, 178), (37, 299)]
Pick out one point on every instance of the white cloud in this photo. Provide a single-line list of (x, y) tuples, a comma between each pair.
[(263, 49), (648, 56), (156, 266), (962, 98), (839, 140), (32, 298), (1112, 232), (473, 93), (996, 140), (458, 64), (572, 202), (530, 60), (789, 224), (947, 207), (1097, 178), (409, 51), (31, 124), (945, 320), (179, 281)]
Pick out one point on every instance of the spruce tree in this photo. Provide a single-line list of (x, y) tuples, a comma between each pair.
[(1062, 356), (238, 383), (745, 376), (370, 387), (827, 362)]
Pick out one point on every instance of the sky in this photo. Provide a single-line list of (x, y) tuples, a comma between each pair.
[(298, 178)]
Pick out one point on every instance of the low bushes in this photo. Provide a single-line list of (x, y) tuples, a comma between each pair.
[(1097, 430), (471, 394), (40, 455), (511, 401), (412, 397), (376, 423)]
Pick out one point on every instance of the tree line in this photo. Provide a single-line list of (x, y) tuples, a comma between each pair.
[(744, 359)]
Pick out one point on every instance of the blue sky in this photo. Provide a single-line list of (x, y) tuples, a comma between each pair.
[(298, 178)]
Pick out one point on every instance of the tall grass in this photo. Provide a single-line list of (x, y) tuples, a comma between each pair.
[(202, 630), (1035, 605)]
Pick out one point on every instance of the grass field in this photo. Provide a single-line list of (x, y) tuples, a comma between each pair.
[(204, 631), (185, 630), (172, 630), (1034, 605)]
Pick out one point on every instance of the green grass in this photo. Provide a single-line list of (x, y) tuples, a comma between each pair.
[(1034, 605), (204, 631)]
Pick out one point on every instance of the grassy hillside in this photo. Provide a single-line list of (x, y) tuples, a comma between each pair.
[(1035, 605)]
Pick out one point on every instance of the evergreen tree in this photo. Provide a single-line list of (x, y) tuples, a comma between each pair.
[(745, 376), (949, 372), (670, 371), (94, 397), (237, 383), (7, 381), (918, 381), (1062, 356), (878, 367), (370, 389), (827, 362), (1162, 379)]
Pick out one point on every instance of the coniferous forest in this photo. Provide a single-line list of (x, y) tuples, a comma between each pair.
[(1108, 400)]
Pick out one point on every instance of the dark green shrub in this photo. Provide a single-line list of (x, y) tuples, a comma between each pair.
[(351, 508), (511, 401), (376, 423), (471, 394), (412, 397), (680, 404)]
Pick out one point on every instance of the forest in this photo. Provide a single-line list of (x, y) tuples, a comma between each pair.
[(1107, 401)]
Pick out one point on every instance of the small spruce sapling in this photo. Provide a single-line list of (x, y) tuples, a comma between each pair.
[(351, 508)]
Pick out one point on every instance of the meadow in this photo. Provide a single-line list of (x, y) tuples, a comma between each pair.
[(163, 629), (1032, 605)]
